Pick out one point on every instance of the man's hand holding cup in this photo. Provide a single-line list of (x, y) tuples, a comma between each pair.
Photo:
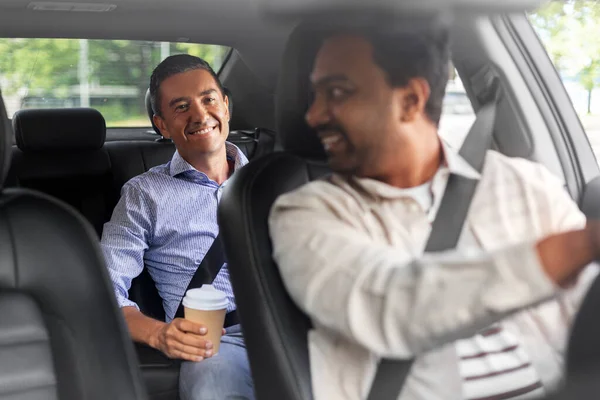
[(198, 335)]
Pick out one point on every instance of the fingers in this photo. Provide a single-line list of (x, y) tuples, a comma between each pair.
[(180, 355), (190, 339), (180, 342), (189, 326), (190, 352)]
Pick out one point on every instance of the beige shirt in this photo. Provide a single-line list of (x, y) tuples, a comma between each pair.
[(351, 256)]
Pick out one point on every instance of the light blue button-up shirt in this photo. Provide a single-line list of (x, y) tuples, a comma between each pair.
[(166, 219)]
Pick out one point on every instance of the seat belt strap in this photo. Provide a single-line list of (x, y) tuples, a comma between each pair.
[(445, 233), (207, 271)]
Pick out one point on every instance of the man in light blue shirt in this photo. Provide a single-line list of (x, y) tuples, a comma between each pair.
[(166, 219)]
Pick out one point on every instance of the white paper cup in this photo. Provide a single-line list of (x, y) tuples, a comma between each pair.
[(207, 306)]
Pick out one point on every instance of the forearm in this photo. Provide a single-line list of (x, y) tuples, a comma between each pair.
[(142, 329), (397, 307), (564, 255)]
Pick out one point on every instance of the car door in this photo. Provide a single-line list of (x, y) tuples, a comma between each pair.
[(557, 50)]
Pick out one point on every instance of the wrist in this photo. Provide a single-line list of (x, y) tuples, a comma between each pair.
[(152, 339)]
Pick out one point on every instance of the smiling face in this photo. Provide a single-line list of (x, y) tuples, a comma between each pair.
[(194, 114), (351, 111), (367, 126)]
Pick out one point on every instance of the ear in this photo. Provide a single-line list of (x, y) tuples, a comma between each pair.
[(414, 99), (162, 127), (226, 101)]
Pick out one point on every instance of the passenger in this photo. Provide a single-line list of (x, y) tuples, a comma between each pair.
[(487, 321), (167, 219)]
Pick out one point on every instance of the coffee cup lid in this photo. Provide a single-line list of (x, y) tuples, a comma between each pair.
[(206, 298)]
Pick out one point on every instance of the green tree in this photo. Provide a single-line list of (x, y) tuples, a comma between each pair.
[(569, 31), (38, 64), (49, 67)]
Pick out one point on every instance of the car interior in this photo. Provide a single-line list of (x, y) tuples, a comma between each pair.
[(61, 333)]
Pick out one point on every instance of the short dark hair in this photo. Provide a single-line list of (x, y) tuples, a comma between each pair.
[(407, 51), (404, 56), (174, 65)]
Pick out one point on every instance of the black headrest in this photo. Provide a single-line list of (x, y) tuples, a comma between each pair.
[(61, 129), (5, 142), (150, 111), (293, 94)]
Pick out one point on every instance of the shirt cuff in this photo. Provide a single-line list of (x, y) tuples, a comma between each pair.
[(123, 302), (521, 280)]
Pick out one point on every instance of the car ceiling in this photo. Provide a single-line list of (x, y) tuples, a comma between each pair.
[(241, 24)]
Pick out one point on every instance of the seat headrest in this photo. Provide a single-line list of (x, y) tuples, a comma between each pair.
[(293, 94), (5, 142), (64, 129), (150, 111)]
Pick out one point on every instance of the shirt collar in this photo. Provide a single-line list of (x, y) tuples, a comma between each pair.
[(456, 164), (178, 165)]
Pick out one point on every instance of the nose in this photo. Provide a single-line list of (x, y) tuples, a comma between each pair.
[(198, 112), (317, 113)]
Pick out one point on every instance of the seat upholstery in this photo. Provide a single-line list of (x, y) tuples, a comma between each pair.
[(77, 167), (61, 336), (275, 329), (59, 152)]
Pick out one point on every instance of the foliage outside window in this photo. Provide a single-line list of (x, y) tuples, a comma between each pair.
[(570, 32), (109, 75)]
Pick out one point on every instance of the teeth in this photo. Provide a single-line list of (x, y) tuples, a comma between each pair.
[(202, 131), (329, 141)]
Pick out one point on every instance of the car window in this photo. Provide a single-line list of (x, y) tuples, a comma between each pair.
[(109, 75), (457, 113), (569, 31)]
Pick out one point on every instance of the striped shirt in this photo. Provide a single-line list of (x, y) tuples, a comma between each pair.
[(495, 366), (492, 364), (166, 220)]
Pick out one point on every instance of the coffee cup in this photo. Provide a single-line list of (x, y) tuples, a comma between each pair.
[(207, 306)]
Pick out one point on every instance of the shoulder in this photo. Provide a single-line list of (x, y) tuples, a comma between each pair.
[(147, 181), (328, 195), (529, 190), (234, 153), (513, 170)]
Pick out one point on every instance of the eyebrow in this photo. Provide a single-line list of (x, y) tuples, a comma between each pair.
[(178, 99), (330, 79)]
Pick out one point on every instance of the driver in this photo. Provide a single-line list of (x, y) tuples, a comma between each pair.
[(486, 321)]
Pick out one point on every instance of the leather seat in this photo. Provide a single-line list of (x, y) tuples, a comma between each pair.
[(61, 335), (275, 329), (59, 152)]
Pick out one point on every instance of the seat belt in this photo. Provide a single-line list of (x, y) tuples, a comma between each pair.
[(207, 271), (445, 233)]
